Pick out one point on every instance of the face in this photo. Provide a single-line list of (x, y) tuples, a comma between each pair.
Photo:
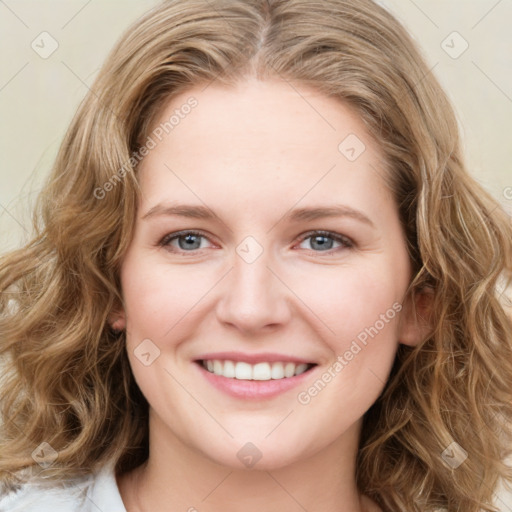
[(267, 250)]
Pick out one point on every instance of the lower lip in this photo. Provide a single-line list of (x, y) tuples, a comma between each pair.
[(253, 389)]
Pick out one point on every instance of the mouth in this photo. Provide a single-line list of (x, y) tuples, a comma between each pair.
[(262, 371), (259, 380)]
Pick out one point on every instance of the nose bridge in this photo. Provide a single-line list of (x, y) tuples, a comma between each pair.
[(252, 297)]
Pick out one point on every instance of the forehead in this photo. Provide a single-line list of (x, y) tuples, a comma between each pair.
[(272, 113), (261, 139)]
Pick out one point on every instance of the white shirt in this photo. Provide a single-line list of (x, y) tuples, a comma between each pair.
[(99, 493), (92, 493)]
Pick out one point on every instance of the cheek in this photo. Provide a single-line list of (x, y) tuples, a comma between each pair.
[(158, 297), (362, 308), (347, 300)]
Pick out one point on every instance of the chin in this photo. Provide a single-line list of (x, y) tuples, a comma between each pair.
[(254, 456)]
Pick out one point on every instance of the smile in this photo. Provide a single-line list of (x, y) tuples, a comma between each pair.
[(260, 376), (260, 371)]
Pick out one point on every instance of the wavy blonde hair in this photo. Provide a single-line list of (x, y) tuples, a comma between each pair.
[(67, 380)]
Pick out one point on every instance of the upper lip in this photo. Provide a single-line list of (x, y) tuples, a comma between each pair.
[(264, 357)]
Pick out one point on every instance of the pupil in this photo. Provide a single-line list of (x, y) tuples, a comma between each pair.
[(190, 240), (323, 242)]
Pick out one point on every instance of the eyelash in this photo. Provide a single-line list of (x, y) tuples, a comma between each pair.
[(346, 243)]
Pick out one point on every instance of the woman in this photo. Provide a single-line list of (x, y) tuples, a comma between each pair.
[(262, 279)]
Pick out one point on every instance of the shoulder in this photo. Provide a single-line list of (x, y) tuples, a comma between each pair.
[(40, 496), (84, 494)]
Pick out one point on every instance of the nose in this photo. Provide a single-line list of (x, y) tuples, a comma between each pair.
[(253, 297)]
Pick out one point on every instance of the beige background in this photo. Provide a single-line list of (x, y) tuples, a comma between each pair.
[(38, 96)]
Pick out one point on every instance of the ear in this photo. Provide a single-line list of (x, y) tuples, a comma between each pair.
[(416, 320), (117, 320)]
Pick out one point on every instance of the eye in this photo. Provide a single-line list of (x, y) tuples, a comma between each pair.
[(322, 241), (190, 241), (186, 241)]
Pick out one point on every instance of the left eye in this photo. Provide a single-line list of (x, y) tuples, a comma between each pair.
[(320, 241), (324, 240), (187, 240)]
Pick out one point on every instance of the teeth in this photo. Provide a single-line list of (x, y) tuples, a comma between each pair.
[(277, 371), (301, 368), (243, 371), (218, 367), (289, 369), (259, 371), (229, 369)]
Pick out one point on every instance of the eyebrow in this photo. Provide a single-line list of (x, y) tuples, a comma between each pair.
[(296, 215)]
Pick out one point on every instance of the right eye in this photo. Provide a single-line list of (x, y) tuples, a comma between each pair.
[(183, 241)]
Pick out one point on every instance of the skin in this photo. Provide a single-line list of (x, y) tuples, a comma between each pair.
[(250, 154)]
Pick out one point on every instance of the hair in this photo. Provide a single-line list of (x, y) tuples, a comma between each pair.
[(66, 376)]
